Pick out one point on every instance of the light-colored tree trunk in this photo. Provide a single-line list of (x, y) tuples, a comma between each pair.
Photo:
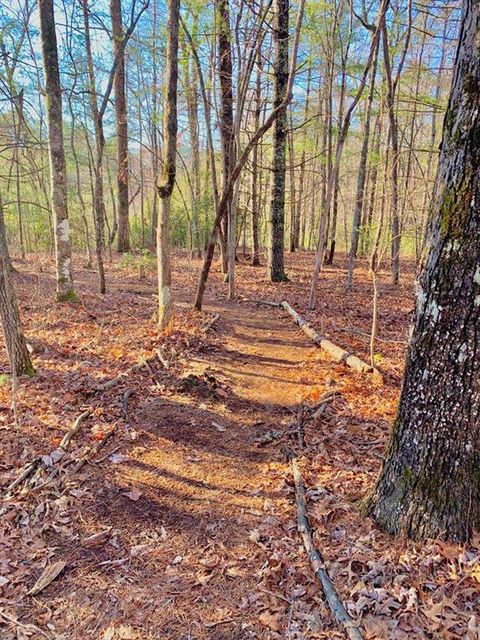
[(169, 157), (58, 170)]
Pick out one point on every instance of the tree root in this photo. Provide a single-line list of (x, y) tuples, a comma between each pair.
[(336, 605)]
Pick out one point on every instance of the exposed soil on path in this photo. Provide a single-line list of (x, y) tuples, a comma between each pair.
[(203, 470)]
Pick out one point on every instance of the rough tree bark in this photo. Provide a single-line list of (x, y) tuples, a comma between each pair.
[(165, 187), (15, 344), (123, 240), (430, 482), (226, 123), (275, 258), (58, 170)]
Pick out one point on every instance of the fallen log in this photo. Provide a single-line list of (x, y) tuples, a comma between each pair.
[(328, 396), (334, 602), (333, 350)]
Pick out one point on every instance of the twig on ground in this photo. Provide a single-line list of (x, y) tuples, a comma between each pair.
[(162, 359), (210, 625), (92, 452), (32, 472), (300, 426), (28, 627), (334, 602), (126, 397), (29, 469), (207, 326), (107, 455)]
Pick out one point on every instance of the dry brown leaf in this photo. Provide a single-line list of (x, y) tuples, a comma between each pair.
[(134, 494), (97, 538), (271, 620), (48, 576)]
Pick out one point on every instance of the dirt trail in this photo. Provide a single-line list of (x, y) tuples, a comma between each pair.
[(264, 355), (205, 484)]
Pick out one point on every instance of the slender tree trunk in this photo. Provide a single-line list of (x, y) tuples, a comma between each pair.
[(255, 159), (227, 132), (123, 240), (370, 208), (362, 172), (300, 213), (395, 218), (293, 195), (276, 268), (154, 126), (429, 485), (331, 213), (98, 202), (165, 188), (58, 168), (191, 93)]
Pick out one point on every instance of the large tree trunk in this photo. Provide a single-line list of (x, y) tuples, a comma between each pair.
[(276, 269), (430, 482), (123, 240), (165, 188), (15, 344), (58, 168)]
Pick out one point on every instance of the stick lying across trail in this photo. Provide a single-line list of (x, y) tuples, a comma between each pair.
[(333, 350), (336, 605)]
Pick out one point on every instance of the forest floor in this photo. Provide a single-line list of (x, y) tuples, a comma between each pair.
[(183, 525)]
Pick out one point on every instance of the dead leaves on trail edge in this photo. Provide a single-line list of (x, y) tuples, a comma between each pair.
[(183, 524)]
